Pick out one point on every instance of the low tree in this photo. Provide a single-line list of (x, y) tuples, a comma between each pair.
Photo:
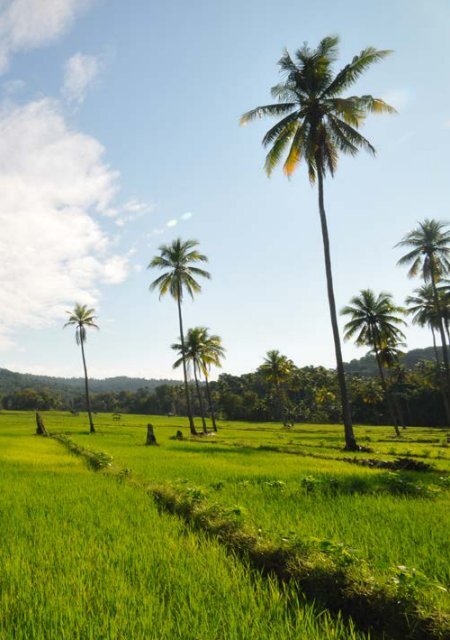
[(83, 318)]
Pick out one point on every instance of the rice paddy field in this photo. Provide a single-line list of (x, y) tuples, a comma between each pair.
[(87, 554)]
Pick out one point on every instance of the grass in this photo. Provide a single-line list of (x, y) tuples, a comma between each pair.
[(85, 556), (386, 519)]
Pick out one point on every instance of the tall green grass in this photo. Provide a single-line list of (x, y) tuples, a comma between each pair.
[(389, 520), (86, 556)]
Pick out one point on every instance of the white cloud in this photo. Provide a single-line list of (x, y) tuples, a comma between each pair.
[(28, 24), (186, 216), (53, 251), (447, 124), (172, 223), (80, 71)]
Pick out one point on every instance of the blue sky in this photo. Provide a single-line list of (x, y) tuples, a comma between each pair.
[(120, 132)]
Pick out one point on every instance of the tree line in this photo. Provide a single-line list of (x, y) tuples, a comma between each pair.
[(287, 394)]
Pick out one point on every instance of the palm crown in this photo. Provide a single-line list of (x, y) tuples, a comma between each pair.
[(430, 250), (422, 307), (81, 317), (390, 353), (276, 367), (177, 260), (201, 348), (317, 122), (374, 319)]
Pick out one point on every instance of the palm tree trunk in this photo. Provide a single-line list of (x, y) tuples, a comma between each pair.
[(281, 410), (436, 353), (211, 408), (444, 345), (200, 399), (387, 393), (399, 410), (86, 387), (439, 370), (186, 387), (350, 441)]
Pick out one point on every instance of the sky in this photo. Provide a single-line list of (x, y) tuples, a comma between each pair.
[(119, 131)]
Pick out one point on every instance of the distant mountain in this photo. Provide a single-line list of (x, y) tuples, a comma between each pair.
[(12, 381), (367, 366)]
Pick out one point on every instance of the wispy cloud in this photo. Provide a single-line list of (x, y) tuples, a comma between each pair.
[(158, 231), (29, 24), (80, 71), (132, 210), (170, 224), (447, 124), (13, 87), (136, 206)]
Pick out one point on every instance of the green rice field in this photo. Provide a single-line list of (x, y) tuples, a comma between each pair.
[(88, 555)]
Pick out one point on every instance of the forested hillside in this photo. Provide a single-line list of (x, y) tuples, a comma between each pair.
[(12, 381), (367, 365)]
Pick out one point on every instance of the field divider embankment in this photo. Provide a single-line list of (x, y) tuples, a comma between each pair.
[(323, 571), (399, 463)]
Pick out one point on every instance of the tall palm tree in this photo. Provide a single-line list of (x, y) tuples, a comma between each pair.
[(192, 353), (276, 370), (82, 318), (202, 351), (178, 261), (317, 123), (211, 354), (422, 307), (376, 323), (429, 256), (390, 357)]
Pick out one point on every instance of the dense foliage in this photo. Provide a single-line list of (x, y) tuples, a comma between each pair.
[(306, 394)]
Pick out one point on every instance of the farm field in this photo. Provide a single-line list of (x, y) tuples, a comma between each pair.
[(283, 485), (85, 556)]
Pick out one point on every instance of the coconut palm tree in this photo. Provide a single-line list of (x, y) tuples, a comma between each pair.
[(390, 357), (211, 354), (376, 323), (192, 353), (202, 351), (82, 318), (422, 307), (276, 371), (429, 256), (317, 124), (178, 261)]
